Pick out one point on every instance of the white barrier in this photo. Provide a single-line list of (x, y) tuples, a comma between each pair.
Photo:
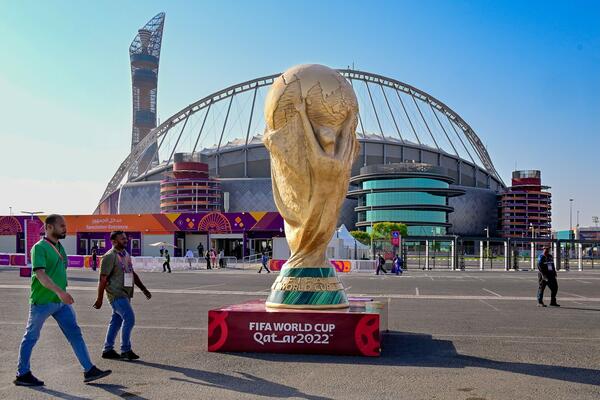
[(363, 265), (155, 264)]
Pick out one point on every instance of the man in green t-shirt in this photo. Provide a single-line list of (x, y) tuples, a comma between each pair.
[(49, 297), (117, 277)]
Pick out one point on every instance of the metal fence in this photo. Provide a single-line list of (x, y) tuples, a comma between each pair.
[(482, 253)]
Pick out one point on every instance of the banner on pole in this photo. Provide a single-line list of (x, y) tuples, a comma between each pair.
[(32, 236), (396, 239)]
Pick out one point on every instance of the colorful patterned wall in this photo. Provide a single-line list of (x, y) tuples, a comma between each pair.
[(213, 222)]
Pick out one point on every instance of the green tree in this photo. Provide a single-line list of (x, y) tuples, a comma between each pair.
[(361, 236), (383, 230)]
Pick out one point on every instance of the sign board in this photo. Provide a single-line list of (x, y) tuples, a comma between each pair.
[(396, 238), (250, 327)]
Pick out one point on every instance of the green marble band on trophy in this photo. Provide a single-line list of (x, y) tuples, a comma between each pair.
[(307, 288), (311, 117)]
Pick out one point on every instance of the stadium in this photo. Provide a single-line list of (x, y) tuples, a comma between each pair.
[(400, 126)]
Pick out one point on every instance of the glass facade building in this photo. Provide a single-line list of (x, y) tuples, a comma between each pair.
[(414, 194)]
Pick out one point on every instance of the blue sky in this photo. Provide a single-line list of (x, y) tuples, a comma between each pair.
[(524, 75)]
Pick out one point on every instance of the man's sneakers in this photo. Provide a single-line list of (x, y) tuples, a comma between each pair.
[(111, 355), (129, 356), (95, 373), (551, 305), (27, 380), (126, 356)]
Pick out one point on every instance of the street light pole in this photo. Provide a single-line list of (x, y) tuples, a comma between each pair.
[(570, 214), (32, 213), (372, 248), (487, 235), (532, 230)]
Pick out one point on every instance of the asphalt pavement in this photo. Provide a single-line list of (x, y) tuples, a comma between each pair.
[(453, 335)]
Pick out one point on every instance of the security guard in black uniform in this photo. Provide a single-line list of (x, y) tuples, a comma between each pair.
[(547, 277)]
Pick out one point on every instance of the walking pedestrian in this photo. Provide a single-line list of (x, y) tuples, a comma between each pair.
[(380, 264), (49, 297), (189, 255), (94, 258), (264, 259), (117, 277), (222, 263), (547, 277), (213, 258), (516, 259), (167, 263), (207, 257), (397, 263)]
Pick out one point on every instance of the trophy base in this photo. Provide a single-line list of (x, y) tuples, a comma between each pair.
[(251, 327), (307, 288)]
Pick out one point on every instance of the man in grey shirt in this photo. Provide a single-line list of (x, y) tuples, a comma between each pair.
[(117, 277)]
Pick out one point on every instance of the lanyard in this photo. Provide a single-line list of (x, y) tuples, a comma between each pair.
[(125, 262), (55, 249)]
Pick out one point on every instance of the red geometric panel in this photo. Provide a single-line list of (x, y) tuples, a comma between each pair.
[(214, 222), (9, 226)]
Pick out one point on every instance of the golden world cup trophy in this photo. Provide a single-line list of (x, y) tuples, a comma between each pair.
[(311, 117)]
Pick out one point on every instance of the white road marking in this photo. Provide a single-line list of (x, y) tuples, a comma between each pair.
[(378, 295), (416, 291), (494, 293), (206, 286), (573, 294), (578, 280), (52, 323), (488, 304), (535, 338)]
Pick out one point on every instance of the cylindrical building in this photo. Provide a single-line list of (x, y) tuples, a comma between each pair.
[(188, 187), (525, 207), (414, 194)]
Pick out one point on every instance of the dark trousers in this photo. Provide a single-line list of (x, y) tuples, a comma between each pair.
[(552, 284), (380, 267), (264, 265), (208, 263), (166, 266)]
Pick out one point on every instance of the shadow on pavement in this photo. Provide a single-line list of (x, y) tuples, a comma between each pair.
[(245, 383), (117, 390), (60, 395), (579, 308), (421, 350)]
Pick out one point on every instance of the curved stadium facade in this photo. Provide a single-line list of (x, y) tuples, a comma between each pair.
[(398, 124), (412, 193)]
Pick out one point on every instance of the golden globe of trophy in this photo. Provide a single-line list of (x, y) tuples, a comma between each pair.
[(311, 117)]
